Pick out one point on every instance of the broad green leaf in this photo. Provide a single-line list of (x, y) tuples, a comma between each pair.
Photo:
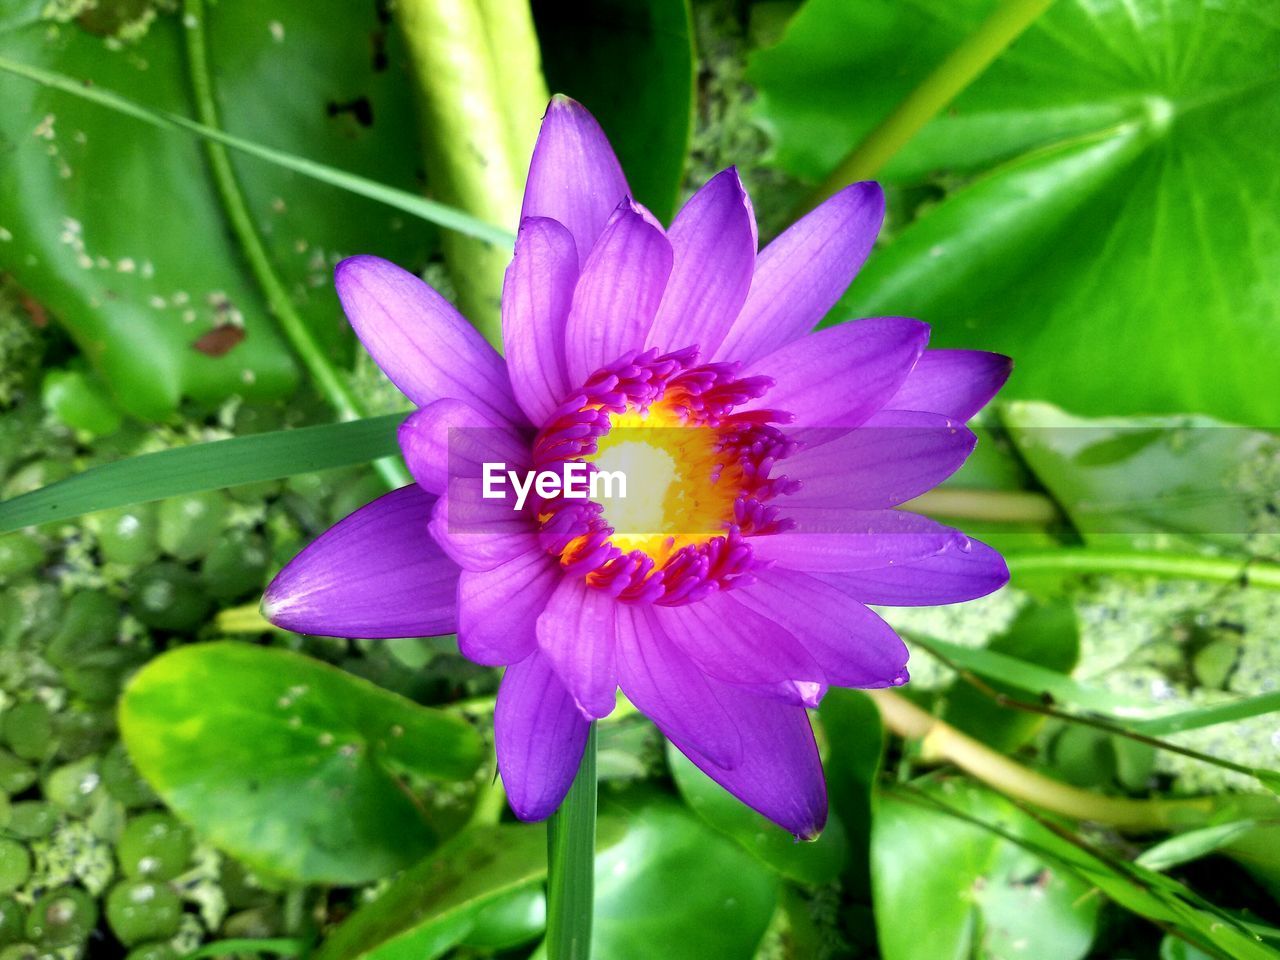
[(631, 63), (1047, 635), (341, 91), (205, 466), (815, 863), (983, 895), (413, 204), (672, 888), (1117, 236), (854, 740), (115, 226), (1145, 481), (1144, 892), (438, 902), (291, 765)]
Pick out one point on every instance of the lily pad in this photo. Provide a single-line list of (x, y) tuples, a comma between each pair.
[(1114, 229), (116, 228), (982, 895), (293, 766)]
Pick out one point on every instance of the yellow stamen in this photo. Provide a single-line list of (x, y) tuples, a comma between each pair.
[(674, 497)]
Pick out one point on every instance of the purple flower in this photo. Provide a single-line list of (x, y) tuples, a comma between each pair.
[(777, 458)]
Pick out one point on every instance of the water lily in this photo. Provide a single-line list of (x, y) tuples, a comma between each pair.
[(725, 600)]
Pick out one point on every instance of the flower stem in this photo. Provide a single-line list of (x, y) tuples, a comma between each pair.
[(1001, 506), (571, 841), (480, 95), (1005, 24), (1173, 566), (331, 384), (940, 740)]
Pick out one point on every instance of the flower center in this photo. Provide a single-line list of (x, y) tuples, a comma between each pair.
[(697, 477)]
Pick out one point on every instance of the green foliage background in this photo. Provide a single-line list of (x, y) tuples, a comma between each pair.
[(1102, 203)]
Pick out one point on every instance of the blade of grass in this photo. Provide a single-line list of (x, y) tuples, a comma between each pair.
[(205, 466), (437, 213), (571, 838)]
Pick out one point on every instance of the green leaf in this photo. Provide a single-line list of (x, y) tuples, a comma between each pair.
[(982, 894), (855, 739), (158, 301), (1117, 235), (1172, 482), (205, 466), (671, 888), (438, 902), (1047, 635), (631, 64), (818, 862), (289, 764), (1136, 888)]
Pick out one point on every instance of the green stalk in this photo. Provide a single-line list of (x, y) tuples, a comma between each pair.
[(1000, 506), (1173, 566), (480, 94), (941, 741), (571, 841), (327, 379), (947, 81)]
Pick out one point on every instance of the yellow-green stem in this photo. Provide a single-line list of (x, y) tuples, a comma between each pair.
[(1001, 506), (1005, 24), (331, 384), (940, 740), (481, 95)]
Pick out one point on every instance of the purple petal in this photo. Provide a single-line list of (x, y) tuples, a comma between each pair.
[(539, 735), (576, 635), (801, 275), (480, 534), (957, 383), (854, 646), (840, 376), (498, 609), (536, 296), (574, 177), (894, 456), (668, 688), (378, 573), (962, 571), (736, 645), (419, 340), (848, 539), (714, 242), (451, 438), (780, 775), (618, 293)]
